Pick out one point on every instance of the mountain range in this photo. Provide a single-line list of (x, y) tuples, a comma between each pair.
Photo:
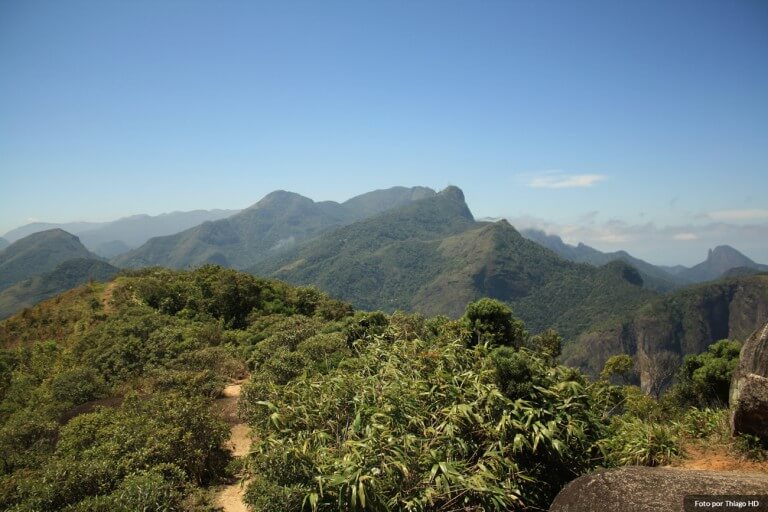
[(109, 239), (431, 256), (414, 249), (69, 274), (719, 260), (38, 253), (278, 221), (45, 264)]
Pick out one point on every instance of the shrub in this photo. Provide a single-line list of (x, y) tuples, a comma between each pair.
[(637, 442), (490, 321), (705, 423), (77, 385), (415, 425), (704, 380)]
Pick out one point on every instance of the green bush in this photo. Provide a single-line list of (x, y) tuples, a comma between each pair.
[(705, 423), (77, 385), (704, 380), (490, 321), (126, 451), (634, 441), (416, 425)]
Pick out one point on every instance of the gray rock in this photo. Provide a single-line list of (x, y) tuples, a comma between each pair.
[(748, 395), (754, 354), (633, 489), (749, 411)]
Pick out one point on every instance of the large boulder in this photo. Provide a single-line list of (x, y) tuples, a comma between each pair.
[(635, 488), (749, 387)]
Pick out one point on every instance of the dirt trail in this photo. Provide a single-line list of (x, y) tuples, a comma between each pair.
[(106, 297), (230, 498), (718, 458)]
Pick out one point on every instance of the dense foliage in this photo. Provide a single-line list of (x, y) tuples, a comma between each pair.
[(107, 402), (704, 379), (106, 392), (425, 424), (491, 321), (67, 275)]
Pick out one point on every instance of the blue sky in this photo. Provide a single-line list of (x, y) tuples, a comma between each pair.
[(634, 125)]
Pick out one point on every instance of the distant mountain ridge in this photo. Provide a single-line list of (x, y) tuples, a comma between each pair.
[(45, 264), (431, 256), (276, 222), (38, 253), (719, 261), (654, 277), (108, 239), (37, 227), (4, 243)]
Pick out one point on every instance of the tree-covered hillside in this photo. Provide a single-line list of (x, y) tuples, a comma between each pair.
[(277, 222), (67, 275), (432, 257), (38, 253), (105, 391), (654, 277), (107, 403)]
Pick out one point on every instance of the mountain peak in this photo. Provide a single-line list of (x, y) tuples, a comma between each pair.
[(281, 197), (50, 234), (38, 253), (452, 192), (724, 251), (719, 260)]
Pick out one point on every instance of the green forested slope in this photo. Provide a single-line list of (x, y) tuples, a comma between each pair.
[(67, 275), (106, 403), (38, 253), (278, 221), (654, 277), (432, 257), (105, 391)]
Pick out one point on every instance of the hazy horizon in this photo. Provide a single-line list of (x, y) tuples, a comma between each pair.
[(635, 126)]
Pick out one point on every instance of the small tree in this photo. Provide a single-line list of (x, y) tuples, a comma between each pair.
[(491, 321), (659, 368), (704, 380), (620, 366), (548, 343)]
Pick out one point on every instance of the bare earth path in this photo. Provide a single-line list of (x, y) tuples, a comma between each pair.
[(718, 458), (106, 296), (230, 498)]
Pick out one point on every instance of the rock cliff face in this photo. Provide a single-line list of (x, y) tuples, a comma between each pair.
[(685, 322), (633, 489)]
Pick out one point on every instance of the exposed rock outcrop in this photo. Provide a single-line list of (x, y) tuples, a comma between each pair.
[(749, 387), (632, 489), (682, 323)]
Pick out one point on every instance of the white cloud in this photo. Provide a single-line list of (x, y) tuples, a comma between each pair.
[(735, 215), (561, 180), (685, 236)]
